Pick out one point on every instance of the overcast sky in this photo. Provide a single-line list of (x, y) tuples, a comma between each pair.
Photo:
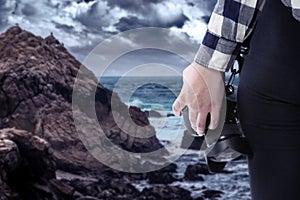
[(83, 24)]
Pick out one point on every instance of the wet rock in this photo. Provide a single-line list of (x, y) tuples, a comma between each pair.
[(194, 172), (165, 192), (172, 167), (163, 175), (85, 187), (199, 198), (63, 189), (160, 177), (104, 188), (212, 194)]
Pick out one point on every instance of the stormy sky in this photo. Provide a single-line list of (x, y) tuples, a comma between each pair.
[(83, 24)]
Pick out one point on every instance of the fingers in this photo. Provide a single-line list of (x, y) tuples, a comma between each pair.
[(178, 105), (202, 89), (193, 118), (202, 122), (215, 118)]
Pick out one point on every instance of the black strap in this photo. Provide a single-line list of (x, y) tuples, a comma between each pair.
[(234, 145)]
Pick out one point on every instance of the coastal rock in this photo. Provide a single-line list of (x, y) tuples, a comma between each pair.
[(163, 176), (165, 192), (194, 172), (27, 168), (158, 177), (9, 161), (103, 188), (212, 194), (36, 85)]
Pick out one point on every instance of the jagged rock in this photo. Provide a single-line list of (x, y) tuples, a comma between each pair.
[(36, 85), (165, 192), (172, 167), (212, 194), (163, 176), (194, 172), (105, 187), (160, 178), (27, 168), (9, 161)]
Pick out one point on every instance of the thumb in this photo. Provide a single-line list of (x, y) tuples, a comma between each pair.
[(178, 105)]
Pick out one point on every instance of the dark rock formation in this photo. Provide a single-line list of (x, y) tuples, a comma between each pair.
[(194, 172), (36, 84), (165, 192), (27, 168), (159, 177), (103, 188), (163, 176), (212, 194)]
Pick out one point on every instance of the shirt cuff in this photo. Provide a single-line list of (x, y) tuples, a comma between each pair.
[(217, 53)]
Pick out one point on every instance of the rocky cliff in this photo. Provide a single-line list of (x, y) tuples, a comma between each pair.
[(39, 136), (36, 83)]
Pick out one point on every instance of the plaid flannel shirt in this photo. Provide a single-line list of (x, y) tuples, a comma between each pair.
[(230, 24)]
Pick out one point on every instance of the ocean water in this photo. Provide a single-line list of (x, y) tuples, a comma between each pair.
[(158, 94)]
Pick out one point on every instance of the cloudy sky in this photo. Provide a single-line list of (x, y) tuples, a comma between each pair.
[(83, 24)]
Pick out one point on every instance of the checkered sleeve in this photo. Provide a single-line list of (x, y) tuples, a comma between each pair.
[(230, 24)]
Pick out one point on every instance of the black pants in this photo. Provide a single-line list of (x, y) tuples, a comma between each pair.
[(269, 105)]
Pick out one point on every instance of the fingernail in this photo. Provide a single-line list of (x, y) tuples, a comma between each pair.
[(200, 132), (212, 126)]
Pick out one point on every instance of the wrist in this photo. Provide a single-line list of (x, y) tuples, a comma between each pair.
[(208, 72)]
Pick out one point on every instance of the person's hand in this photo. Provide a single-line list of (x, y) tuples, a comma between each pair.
[(203, 93)]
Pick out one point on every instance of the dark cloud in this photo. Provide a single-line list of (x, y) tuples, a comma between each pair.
[(205, 18), (28, 10), (6, 8), (81, 51), (64, 27), (94, 18), (132, 4), (205, 5), (178, 22), (86, 1), (2, 3), (131, 22)]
